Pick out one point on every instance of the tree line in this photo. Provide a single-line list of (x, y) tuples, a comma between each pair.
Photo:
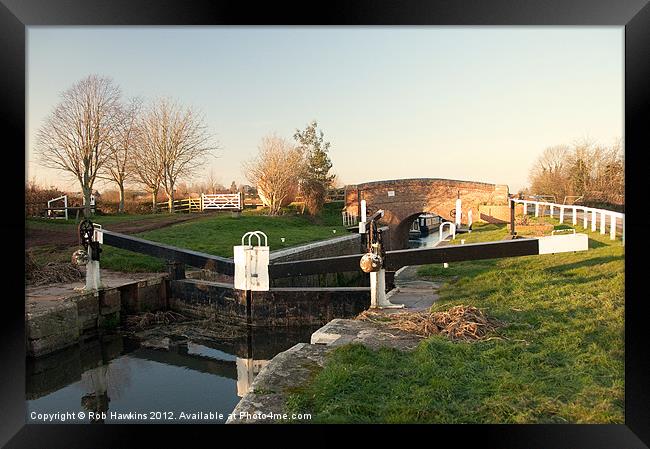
[(593, 171), (95, 134)]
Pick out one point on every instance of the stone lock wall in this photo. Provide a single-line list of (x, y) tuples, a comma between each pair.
[(404, 199), (54, 325), (276, 307)]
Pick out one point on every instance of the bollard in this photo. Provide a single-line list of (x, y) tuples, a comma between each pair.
[(175, 270)]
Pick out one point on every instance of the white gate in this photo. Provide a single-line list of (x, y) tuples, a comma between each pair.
[(221, 201)]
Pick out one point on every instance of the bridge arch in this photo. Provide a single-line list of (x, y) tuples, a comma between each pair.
[(404, 199)]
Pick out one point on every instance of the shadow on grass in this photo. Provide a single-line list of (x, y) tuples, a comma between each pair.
[(596, 244), (584, 263)]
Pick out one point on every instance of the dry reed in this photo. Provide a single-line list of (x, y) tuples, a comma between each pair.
[(459, 323)]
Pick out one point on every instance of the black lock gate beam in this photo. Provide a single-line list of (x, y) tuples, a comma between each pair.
[(187, 256), (399, 258)]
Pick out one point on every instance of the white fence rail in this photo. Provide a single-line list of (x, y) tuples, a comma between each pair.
[(588, 214)]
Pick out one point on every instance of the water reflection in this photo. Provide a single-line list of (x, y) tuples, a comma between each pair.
[(117, 380), (96, 402), (247, 369)]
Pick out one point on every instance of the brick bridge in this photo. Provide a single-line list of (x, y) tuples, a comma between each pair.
[(404, 199)]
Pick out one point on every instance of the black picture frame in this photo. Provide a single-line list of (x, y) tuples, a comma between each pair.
[(634, 15)]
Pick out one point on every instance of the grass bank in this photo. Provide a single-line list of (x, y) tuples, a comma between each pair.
[(214, 234), (560, 359)]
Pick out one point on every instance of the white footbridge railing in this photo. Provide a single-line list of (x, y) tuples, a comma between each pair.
[(589, 216), (452, 231)]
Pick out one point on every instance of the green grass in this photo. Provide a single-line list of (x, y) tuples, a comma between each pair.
[(561, 358), (217, 234), (104, 220)]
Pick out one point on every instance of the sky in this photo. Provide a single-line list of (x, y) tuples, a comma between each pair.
[(467, 103)]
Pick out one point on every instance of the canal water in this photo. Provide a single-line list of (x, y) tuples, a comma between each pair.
[(430, 240), (116, 379)]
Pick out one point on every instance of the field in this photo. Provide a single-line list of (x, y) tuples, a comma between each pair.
[(214, 233), (560, 358)]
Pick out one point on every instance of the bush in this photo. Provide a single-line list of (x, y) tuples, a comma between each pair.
[(36, 199), (130, 207)]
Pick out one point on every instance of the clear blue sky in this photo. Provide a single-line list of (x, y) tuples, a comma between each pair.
[(471, 103)]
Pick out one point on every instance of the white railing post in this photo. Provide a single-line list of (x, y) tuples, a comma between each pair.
[(525, 208), (537, 209), (612, 227), (551, 210), (593, 221), (561, 214), (585, 219), (469, 220), (65, 204), (575, 216), (603, 217)]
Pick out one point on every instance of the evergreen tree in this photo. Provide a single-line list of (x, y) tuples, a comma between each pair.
[(316, 179)]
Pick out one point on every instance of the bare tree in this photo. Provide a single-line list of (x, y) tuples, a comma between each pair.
[(147, 167), (212, 184), (118, 167), (548, 175), (179, 137), (586, 169), (275, 171), (78, 136)]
